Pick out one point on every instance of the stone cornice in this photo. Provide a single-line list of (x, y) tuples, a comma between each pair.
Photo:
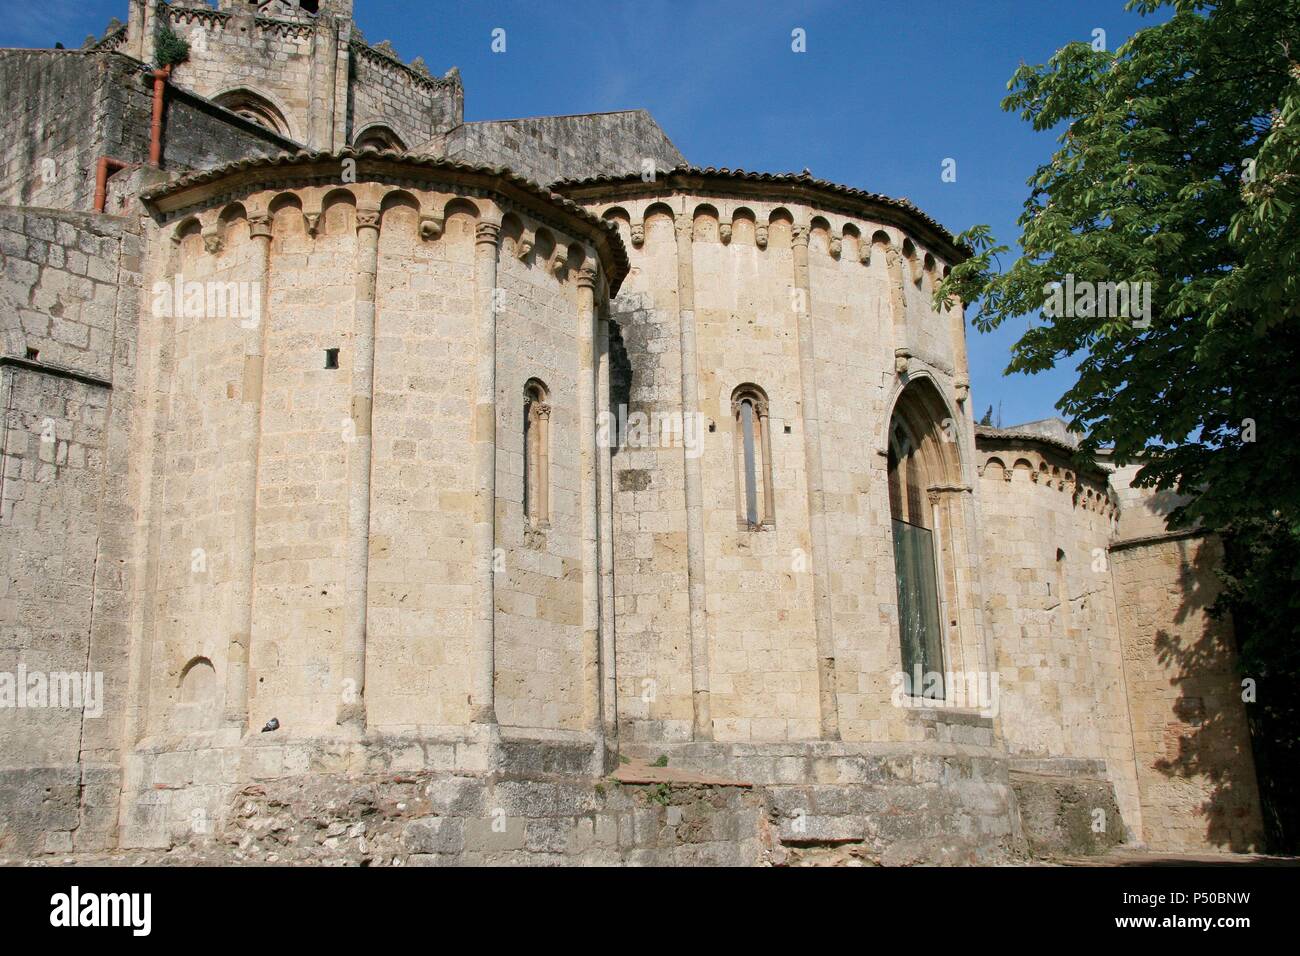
[(989, 441), (801, 188), (110, 41), (236, 180), (57, 371), (1149, 539), (205, 15), (381, 59)]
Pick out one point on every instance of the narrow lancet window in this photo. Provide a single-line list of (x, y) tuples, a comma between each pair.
[(537, 423), (754, 504)]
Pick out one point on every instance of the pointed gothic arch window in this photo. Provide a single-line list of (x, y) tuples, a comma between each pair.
[(755, 507), (919, 462), (537, 466)]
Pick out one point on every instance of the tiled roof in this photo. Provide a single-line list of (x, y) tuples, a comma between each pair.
[(788, 181), (432, 163)]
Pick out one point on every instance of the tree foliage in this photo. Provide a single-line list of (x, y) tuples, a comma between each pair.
[(170, 48), (1178, 165)]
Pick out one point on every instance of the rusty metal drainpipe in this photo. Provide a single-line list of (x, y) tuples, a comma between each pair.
[(101, 179), (155, 130)]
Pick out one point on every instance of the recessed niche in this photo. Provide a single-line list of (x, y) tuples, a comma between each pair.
[(331, 358)]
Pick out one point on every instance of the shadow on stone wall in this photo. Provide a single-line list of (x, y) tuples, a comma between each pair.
[(1207, 740)]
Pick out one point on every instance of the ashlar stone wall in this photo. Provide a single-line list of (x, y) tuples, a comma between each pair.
[(69, 286), (1191, 743), (1047, 528), (787, 631)]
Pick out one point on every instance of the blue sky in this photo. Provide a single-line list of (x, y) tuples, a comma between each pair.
[(886, 91)]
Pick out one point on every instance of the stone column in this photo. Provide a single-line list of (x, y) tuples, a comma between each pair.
[(352, 706), (605, 538), (340, 88), (588, 476), (820, 564), (324, 75), (961, 370), (702, 720), (482, 681), (259, 230), (898, 309), (135, 29)]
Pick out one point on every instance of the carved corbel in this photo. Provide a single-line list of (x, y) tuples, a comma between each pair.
[(638, 235), (431, 227), (837, 247), (312, 218), (760, 236), (962, 387), (524, 245), (558, 261), (724, 232), (902, 357), (864, 251), (212, 238)]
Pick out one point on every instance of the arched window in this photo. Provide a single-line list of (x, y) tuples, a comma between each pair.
[(537, 428), (252, 106), (920, 465), (753, 454), (380, 137)]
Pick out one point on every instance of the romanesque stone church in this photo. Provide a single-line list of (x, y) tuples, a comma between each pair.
[(383, 487)]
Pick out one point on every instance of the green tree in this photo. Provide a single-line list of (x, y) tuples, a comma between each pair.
[(1178, 167)]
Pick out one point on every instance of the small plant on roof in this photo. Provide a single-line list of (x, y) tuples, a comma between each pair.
[(169, 48)]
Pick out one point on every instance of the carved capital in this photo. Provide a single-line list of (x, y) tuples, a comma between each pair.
[(540, 409), (431, 227), (685, 227), (367, 219), (760, 406), (799, 236), (587, 277), (259, 227), (487, 233)]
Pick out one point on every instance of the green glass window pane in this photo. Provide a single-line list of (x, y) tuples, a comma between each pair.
[(918, 602)]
